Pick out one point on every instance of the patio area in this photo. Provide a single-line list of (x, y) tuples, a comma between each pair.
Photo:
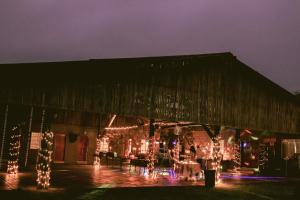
[(87, 176), (112, 182)]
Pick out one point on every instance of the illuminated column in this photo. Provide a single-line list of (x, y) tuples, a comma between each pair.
[(217, 157), (129, 146), (176, 148), (263, 157), (3, 134), (237, 151), (97, 161), (150, 165), (97, 152), (14, 151), (44, 157), (44, 160)]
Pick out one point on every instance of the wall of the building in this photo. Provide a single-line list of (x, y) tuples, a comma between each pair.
[(71, 149)]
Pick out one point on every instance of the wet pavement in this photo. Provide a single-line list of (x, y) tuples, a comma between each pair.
[(87, 182)]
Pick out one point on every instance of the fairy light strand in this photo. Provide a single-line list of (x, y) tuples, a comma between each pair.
[(120, 128)]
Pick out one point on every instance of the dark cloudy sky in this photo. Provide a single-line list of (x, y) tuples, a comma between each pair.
[(264, 34)]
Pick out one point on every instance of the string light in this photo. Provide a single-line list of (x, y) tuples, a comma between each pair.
[(147, 124), (122, 128), (14, 151), (44, 160)]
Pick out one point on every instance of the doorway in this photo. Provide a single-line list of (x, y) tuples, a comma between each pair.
[(59, 147), (82, 148)]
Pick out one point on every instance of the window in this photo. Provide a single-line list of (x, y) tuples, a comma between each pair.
[(144, 146), (104, 143)]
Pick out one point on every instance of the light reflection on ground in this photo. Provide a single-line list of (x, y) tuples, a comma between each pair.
[(86, 176), (34, 188), (250, 177), (12, 181)]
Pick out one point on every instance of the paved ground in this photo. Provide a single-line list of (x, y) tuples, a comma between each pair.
[(85, 182)]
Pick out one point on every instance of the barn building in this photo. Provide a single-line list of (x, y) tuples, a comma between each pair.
[(120, 103)]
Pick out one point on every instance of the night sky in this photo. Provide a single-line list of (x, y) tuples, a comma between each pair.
[(265, 34)]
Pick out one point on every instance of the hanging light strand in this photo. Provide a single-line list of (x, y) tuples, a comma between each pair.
[(122, 128)]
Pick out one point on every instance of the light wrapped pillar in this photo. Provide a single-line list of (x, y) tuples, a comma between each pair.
[(150, 164), (97, 152), (44, 160), (14, 151), (237, 151), (44, 157), (237, 156), (263, 158), (217, 157)]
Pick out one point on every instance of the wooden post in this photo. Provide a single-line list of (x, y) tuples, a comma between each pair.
[(3, 134), (29, 135)]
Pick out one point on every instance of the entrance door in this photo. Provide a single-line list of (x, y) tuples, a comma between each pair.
[(83, 147), (59, 147)]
